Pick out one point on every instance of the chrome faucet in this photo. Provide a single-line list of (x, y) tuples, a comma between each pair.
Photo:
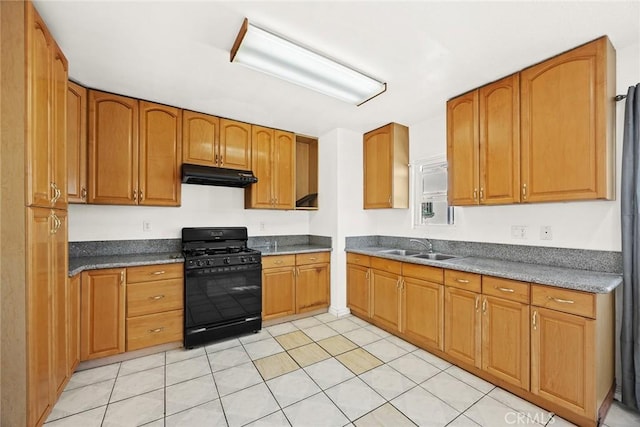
[(428, 245)]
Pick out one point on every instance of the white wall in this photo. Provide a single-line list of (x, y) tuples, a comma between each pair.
[(202, 206), (584, 225)]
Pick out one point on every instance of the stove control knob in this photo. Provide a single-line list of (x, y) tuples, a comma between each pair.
[(208, 262), (199, 263), (243, 260), (227, 260)]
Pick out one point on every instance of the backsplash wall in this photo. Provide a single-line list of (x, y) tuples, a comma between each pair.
[(202, 206)]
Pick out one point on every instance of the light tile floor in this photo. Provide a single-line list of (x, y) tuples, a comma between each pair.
[(318, 371)]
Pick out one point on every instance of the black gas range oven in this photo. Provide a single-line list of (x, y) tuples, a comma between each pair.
[(222, 284)]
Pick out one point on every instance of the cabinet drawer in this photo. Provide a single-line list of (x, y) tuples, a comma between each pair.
[(388, 265), (505, 288), (463, 280), (423, 272), (154, 329), (358, 259), (154, 297), (566, 300), (278, 261), (150, 273), (313, 258)]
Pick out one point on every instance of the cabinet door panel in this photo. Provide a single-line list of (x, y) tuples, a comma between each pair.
[(565, 139), (39, 314), (39, 191), (73, 314), (103, 313), (278, 292), (378, 157), (200, 138), (562, 359), (423, 311), (76, 143), (500, 141), (113, 149), (505, 340), (235, 145), (386, 301), (463, 149), (259, 195), (59, 127), (312, 287), (160, 155), (60, 292), (462, 336), (358, 293), (284, 169)]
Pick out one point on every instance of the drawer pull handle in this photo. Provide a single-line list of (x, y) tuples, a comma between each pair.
[(477, 302), (462, 281), (278, 262), (158, 272), (504, 289), (561, 301), (313, 258), (156, 330), (535, 320), (156, 297), (484, 306)]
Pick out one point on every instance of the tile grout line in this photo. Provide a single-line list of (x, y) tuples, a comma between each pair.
[(104, 416), (215, 384)]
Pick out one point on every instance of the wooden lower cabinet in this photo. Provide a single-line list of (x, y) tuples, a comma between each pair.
[(73, 316), (358, 290), (462, 335), (385, 307), (102, 331), (505, 340), (558, 374), (154, 329), (295, 284), (422, 312)]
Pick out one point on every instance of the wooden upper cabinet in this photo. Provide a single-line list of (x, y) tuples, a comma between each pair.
[(76, 143), (463, 149), (160, 153), (46, 104), (499, 105), (386, 167), (273, 163), (200, 138), (113, 149), (567, 107), (235, 145), (284, 160)]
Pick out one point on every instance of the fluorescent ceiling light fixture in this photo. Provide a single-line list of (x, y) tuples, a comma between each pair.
[(265, 51)]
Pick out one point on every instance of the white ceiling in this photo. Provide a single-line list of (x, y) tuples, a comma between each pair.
[(177, 52)]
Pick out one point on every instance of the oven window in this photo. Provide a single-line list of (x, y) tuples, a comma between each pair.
[(221, 297)]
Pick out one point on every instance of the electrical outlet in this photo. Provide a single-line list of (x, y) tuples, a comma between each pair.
[(146, 225), (519, 232), (546, 233)]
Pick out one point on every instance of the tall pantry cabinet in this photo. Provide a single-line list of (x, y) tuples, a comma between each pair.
[(36, 350)]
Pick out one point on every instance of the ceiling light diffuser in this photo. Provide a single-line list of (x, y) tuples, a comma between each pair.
[(272, 54)]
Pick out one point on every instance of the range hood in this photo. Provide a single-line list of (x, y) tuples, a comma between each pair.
[(222, 177)]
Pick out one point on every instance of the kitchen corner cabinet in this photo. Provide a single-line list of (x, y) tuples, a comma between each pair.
[(216, 142), (155, 302), (76, 143), (134, 151), (102, 331), (568, 116), (386, 167), (483, 144), (295, 283), (46, 114), (359, 284), (273, 163)]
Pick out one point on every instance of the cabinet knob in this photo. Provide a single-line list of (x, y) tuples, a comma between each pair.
[(83, 193), (135, 196)]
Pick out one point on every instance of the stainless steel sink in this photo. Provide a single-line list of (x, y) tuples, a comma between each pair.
[(434, 256), (401, 252)]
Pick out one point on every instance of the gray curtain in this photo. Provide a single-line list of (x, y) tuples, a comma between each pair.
[(630, 206)]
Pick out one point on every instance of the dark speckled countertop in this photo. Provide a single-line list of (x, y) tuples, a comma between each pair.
[(570, 278), (79, 264)]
